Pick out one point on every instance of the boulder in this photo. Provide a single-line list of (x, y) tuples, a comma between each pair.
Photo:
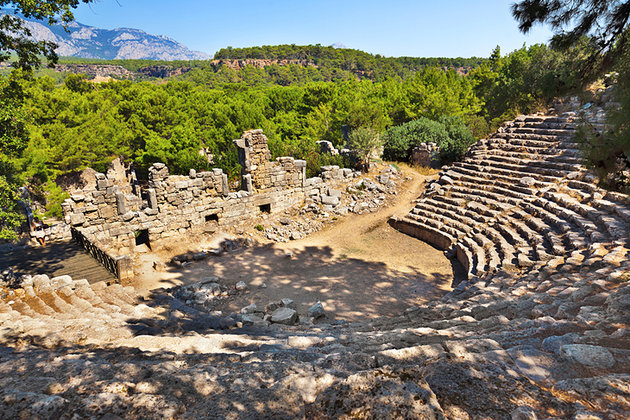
[(586, 354)]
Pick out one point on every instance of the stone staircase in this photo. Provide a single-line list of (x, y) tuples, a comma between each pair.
[(539, 330), (55, 259)]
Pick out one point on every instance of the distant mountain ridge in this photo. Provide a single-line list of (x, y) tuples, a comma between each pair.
[(109, 44)]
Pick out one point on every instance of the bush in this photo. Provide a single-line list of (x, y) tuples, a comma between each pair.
[(460, 139), (399, 140), (450, 134)]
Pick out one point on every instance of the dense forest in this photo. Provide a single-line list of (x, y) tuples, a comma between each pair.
[(75, 123), (327, 59)]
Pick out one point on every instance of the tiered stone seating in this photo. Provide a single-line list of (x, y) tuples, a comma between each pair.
[(524, 191)]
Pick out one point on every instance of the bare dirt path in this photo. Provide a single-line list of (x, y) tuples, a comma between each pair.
[(358, 267)]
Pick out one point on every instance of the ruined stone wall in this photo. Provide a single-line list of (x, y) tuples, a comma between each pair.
[(425, 154), (259, 172), (176, 205)]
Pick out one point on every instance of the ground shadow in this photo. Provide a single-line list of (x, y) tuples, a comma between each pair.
[(55, 259), (351, 289)]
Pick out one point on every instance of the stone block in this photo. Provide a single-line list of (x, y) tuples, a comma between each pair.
[(328, 200), (180, 185), (77, 219)]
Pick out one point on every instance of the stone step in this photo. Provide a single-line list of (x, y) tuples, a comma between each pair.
[(565, 206), (496, 200), (445, 216), (514, 159), (504, 175), (545, 132), (513, 171), (554, 125), (613, 208), (537, 149)]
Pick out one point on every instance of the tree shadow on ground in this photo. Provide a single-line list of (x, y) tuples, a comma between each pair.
[(82, 381), (351, 289)]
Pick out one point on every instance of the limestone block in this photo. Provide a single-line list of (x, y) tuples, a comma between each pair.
[(120, 203), (180, 185), (77, 219), (328, 200)]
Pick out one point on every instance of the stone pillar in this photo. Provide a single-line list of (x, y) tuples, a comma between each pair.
[(152, 198), (246, 183), (125, 268), (301, 164), (120, 203), (225, 185)]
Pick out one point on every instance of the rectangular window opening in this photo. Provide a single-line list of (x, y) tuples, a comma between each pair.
[(265, 208), (212, 218), (142, 238)]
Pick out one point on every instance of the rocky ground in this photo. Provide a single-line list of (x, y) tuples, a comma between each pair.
[(350, 252)]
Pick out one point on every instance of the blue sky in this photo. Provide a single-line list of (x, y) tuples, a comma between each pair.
[(421, 28)]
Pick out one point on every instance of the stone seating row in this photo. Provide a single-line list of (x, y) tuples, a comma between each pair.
[(499, 211)]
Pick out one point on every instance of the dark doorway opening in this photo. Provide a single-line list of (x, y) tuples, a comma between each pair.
[(142, 238), (212, 218), (265, 208)]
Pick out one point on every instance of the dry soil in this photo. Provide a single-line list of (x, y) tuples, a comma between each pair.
[(357, 267)]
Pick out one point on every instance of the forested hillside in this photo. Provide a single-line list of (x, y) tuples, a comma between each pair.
[(305, 62), (75, 123)]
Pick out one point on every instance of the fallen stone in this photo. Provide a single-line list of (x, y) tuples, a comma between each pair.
[(272, 306), (252, 319), (215, 288), (240, 286), (287, 303), (227, 323), (249, 309), (331, 201), (316, 311), (284, 315)]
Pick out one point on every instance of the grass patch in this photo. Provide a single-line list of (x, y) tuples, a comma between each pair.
[(425, 170)]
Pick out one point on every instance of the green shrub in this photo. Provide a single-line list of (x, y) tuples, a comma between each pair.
[(460, 139), (450, 134), (54, 198), (399, 140)]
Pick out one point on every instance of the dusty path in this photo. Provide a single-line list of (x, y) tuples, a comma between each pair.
[(359, 267)]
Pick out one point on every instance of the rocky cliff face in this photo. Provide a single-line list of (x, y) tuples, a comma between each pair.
[(120, 43), (258, 63)]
